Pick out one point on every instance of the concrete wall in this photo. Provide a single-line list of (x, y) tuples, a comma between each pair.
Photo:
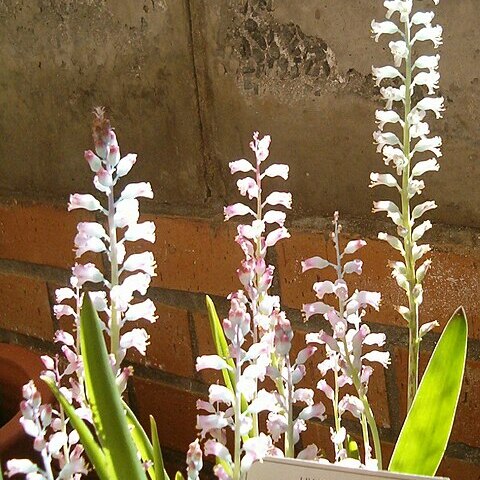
[(185, 83)]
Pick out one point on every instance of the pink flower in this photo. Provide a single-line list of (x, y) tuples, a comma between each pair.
[(211, 361), (316, 308), (85, 201), (275, 216), (136, 338), (355, 266), (113, 154), (125, 164), (105, 178), (353, 246), (248, 186), (241, 166), (314, 262), (93, 161), (276, 235), (237, 209), (87, 273), (279, 198), (277, 170)]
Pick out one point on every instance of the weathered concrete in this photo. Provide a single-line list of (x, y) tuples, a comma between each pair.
[(187, 81), (301, 71), (61, 58)]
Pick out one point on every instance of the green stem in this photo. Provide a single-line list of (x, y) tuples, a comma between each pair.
[(114, 278), (237, 413), (408, 243), (289, 441)]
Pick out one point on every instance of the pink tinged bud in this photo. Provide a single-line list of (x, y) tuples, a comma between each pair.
[(353, 246), (144, 310), (314, 262), (237, 209), (30, 427), (245, 245), (206, 423), (136, 338), (213, 362), (141, 261), (298, 374), (304, 395), (379, 357), (63, 310), (323, 288), (212, 447), (125, 164), (203, 405), (39, 444), (141, 231), (28, 390), (276, 235), (253, 231), (316, 308), (104, 178), (305, 354), (88, 244), (313, 411), (241, 166), (85, 201), (100, 186), (367, 371), (220, 393), (220, 473), (87, 273), (93, 161), (274, 216), (122, 379), (355, 266), (352, 404), (248, 186), (262, 147), (279, 198), (134, 190), (308, 453), (113, 156), (277, 170), (48, 362), (326, 389)]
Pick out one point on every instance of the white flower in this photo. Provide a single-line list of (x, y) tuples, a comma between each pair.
[(248, 186), (136, 338), (395, 155), (404, 7), (426, 166), (381, 73), (429, 33), (391, 94), (141, 261), (241, 166), (125, 164), (379, 28), (429, 79), (435, 104), (237, 209), (144, 310), (427, 61), (87, 273), (387, 116), (423, 18), (137, 231), (277, 170), (126, 212), (279, 198), (399, 51), (134, 190), (429, 144)]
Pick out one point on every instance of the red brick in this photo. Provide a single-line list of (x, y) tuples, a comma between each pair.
[(24, 306), (174, 411), (465, 427), (458, 470), (41, 234), (452, 281), (196, 255), (170, 348)]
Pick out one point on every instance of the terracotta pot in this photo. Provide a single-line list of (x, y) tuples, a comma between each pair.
[(18, 365)]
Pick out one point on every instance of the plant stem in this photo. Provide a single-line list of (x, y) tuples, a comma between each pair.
[(114, 277), (289, 441), (408, 243), (237, 413)]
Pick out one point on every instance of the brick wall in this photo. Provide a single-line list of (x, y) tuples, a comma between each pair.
[(196, 256)]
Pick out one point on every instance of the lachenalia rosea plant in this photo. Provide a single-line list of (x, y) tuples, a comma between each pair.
[(255, 315), (344, 347), (54, 438), (406, 148)]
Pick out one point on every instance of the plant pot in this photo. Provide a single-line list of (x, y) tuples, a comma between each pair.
[(18, 365), (289, 469)]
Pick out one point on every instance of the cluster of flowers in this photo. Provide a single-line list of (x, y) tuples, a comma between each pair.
[(344, 348), (115, 304), (256, 315), (413, 28)]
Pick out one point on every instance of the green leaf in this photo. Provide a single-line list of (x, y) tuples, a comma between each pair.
[(142, 442), (102, 465), (425, 433), (104, 398), (179, 476), (160, 471), (221, 345)]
